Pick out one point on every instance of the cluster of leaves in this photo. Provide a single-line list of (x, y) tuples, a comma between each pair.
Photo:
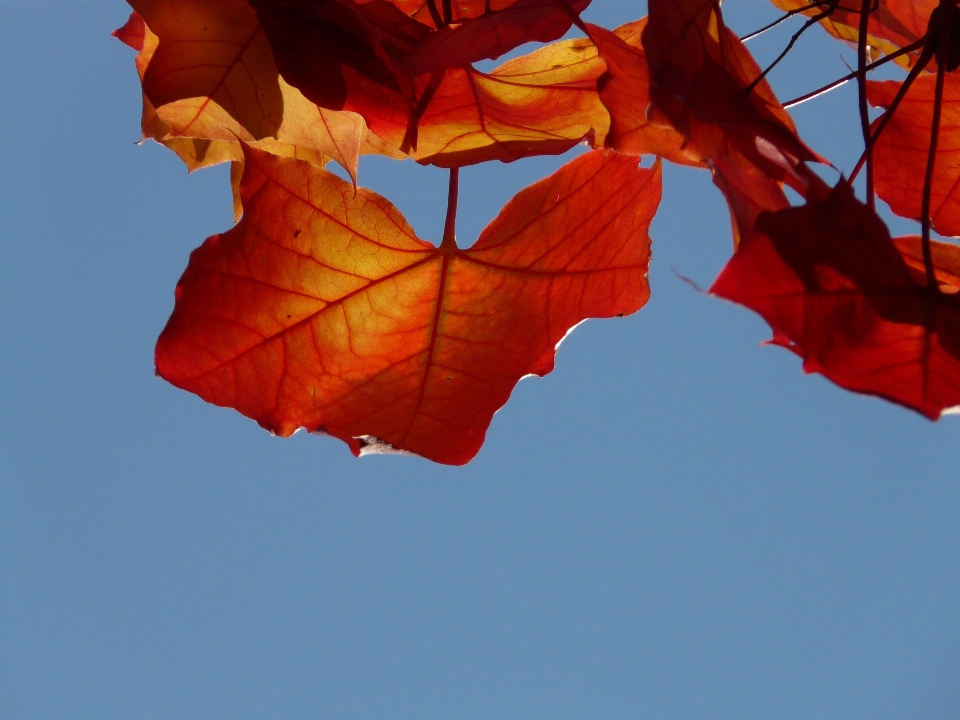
[(321, 309)]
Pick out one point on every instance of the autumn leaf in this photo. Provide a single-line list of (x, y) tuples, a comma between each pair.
[(703, 82), (196, 153), (322, 309), (211, 74), (542, 103), (538, 104), (900, 153), (853, 304), (192, 120), (894, 24), (403, 76)]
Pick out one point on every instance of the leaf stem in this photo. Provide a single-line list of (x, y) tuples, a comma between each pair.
[(786, 16), (946, 8), (450, 225), (434, 13), (862, 97), (906, 50)]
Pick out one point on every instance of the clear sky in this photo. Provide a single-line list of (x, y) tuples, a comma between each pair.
[(674, 524)]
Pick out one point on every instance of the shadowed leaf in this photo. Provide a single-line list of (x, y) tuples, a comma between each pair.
[(212, 74), (853, 304), (306, 131), (341, 57), (699, 76)]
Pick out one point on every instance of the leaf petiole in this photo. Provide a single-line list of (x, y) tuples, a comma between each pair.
[(862, 96), (946, 7), (450, 225)]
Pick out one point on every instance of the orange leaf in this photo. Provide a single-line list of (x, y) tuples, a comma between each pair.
[(895, 24), (321, 309), (699, 74), (542, 103), (837, 291), (900, 154), (192, 120), (214, 61)]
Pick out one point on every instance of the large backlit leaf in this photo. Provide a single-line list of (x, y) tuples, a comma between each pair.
[(900, 154), (321, 309), (853, 304)]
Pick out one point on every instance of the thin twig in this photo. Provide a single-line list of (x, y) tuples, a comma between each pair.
[(906, 50), (925, 219), (793, 41), (786, 16), (885, 118), (862, 97)]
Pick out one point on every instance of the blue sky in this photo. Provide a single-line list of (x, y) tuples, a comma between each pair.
[(674, 524)]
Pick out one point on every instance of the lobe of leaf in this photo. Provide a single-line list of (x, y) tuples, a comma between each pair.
[(895, 24), (625, 91), (699, 75), (542, 103), (853, 304), (900, 153), (748, 193), (321, 309), (493, 34)]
